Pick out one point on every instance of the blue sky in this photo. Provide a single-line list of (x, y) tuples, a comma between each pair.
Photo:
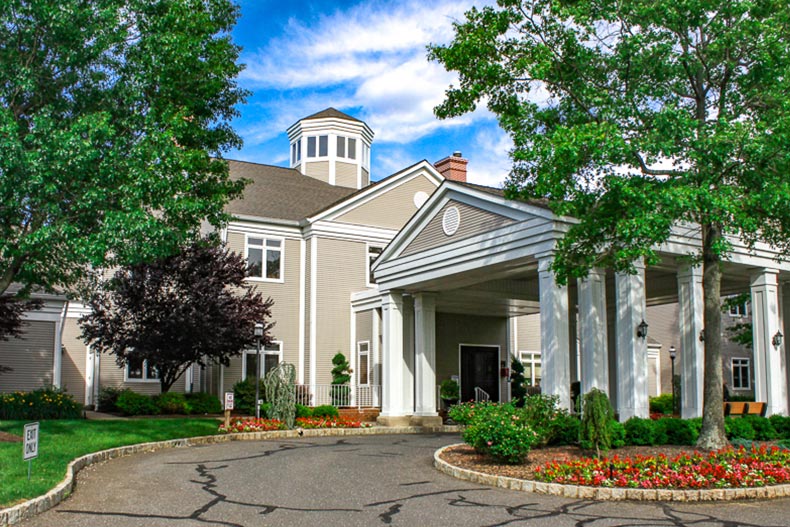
[(367, 59)]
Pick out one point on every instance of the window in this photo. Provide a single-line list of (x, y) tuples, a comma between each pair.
[(531, 362), (373, 254), (271, 356), (264, 258), (741, 374), (363, 364), (740, 309), (365, 155), (138, 370), (346, 147), (311, 146), (318, 146), (296, 152)]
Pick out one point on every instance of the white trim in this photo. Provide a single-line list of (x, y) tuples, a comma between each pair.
[(498, 362), (264, 248), (263, 226), (264, 352), (90, 365), (368, 267), (143, 380), (748, 377), (351, 351), (313, 310), (540, 362), (351, 231), (368, 353), (302, 307)]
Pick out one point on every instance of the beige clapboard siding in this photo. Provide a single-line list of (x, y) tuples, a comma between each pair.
[(473, 221), (285, 311), (30, 356), (74, 361), (318, 170), (528, 333), (663, 324), (345, 174), (393, 208), (341, 271), (365, 178), (110, 374), (307, 309), (364, 324)]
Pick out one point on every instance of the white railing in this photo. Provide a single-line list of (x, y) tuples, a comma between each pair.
[(363, 396), (481, 395)]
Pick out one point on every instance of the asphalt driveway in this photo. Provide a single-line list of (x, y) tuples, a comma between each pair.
[(367, 480)]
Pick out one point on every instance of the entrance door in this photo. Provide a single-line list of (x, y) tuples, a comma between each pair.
[(479, 367)]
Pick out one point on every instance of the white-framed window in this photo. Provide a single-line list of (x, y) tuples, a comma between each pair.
[(741, 374), (363, 363), (296, 152), (265, 258), (138, 370), (739, 310), (271, 356), (318, 146), (373, 253), (346, 147), (365, 156), (532, 366)]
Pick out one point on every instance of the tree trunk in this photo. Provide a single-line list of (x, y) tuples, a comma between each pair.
[(712, 435)]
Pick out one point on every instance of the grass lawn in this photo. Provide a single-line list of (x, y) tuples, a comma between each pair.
[(62, 441)]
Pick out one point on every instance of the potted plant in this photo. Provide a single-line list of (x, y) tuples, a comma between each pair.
[(449, 391)]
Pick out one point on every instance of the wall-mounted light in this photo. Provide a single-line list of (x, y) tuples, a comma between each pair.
[(641, 330), (702, 335), (673, 353), (777, 340)]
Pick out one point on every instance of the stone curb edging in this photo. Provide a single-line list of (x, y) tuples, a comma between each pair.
[(605, 493), (34, 506)]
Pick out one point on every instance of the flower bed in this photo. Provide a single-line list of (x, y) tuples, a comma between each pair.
[(726, 468), (265, 425)]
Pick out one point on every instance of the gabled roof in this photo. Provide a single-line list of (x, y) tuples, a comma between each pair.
[(330, 113), (280, 193)]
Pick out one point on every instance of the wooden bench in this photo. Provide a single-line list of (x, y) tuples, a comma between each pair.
[(744, 408)]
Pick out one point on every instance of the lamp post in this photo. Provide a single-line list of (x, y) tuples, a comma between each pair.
[(258, 332), (672, 355)]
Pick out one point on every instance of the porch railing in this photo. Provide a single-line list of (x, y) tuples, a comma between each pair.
[(481, 395), (361, 396)]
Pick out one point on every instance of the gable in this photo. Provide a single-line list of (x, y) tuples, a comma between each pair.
[(471, 222), (392, 208)]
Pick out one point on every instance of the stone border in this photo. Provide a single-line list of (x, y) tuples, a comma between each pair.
[(34, 506), (606, 493)]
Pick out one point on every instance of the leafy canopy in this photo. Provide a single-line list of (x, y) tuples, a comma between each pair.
[(110, 113), (191, 308)]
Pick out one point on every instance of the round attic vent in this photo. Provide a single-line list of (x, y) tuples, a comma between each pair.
[(451, 220), (420, 198)]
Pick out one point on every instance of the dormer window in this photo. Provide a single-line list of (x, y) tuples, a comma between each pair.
[(318, 146), (296, 152), (346, 147)]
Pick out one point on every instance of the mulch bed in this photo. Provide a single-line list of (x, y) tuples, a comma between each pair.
[(464, 456), (5, 437)]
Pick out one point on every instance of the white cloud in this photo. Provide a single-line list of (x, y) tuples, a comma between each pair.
[(488, 163)]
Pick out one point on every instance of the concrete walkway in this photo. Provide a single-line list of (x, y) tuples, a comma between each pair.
[(346, 481)]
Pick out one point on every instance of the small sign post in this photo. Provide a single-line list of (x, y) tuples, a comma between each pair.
[(228, 407), (30, 451)]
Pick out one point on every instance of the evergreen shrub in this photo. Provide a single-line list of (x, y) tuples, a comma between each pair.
[(133, 403), (171, 403), (738, 428), (326, 410), (597, 415), (244, 396), (108, 395), (303, 411), (640, 432), (763, 428), (661, 404), (200, 403), (781, 424)]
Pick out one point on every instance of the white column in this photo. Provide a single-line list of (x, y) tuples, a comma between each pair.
[(408, 353), (392, 363), (593, 332), (692, 350), (631, 352), (425, 354), (376, 355), (769, 367), (554, 335)]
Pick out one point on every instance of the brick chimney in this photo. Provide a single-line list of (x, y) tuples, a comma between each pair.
[(453, 167)]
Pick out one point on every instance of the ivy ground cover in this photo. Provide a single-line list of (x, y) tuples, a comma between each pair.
[(266, 425), (726, 468)]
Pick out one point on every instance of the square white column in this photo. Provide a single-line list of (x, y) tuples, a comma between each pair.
[(394, 368), (425, 354), (631, 352), (593, 332), (408, 353), (692, 350), (554, 336), (769, 364)]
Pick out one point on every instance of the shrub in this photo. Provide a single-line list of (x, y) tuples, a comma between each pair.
[(738, 428), (640, 432), (203, 403), (464, 413), (781, 424), (674, 431), (539, 412), (661, 404), (617, 430), (565, 429), (326, 410), (133, 403), (108, 395), (244, 396), (303, 411), (501, 433), (518, 390), (763, 428), (597, 413), (44, 403), (449, 390), (171, 403), (341, 376)]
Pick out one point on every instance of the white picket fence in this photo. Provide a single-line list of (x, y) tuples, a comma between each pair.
[(363, 396)]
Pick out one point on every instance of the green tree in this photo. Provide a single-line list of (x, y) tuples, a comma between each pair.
[(633, 116), (518, 389), (341, 376), (112, 114)]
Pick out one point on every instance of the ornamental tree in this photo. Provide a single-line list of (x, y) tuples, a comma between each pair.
[(112, 113), (191, 308), (635, 116)]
